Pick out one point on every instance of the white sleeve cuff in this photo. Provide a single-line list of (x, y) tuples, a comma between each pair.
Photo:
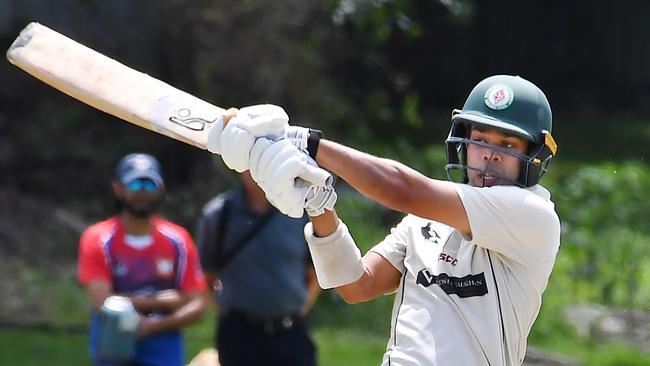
[(337, 259)]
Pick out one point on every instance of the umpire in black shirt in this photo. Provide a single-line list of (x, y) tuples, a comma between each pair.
[(257, 263)]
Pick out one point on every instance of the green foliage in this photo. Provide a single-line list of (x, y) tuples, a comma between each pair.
[(367, 222), (378, 19), (39, 296), (606, 235)]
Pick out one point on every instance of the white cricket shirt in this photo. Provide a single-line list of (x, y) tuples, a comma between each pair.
[(471, 302)]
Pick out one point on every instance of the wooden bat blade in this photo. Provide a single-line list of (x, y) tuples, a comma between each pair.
[(112, 87), (119, 90)]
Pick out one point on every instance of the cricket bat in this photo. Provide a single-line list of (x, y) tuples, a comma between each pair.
[(119, 90)]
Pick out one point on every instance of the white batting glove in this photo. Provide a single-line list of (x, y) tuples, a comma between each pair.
[(235, 141), (305, 139), (319, 199), (275, 166)]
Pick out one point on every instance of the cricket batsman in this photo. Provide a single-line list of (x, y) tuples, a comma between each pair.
[(469, 262)]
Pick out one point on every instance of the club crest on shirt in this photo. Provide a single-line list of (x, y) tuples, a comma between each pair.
[(429, 234), (164, 267)]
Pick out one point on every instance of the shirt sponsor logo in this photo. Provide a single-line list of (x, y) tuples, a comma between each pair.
[(164, 267), (468, 286), (447, 259), (429, 234)]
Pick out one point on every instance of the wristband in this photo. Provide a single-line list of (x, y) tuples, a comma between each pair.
[(312, 142), (337, 259)]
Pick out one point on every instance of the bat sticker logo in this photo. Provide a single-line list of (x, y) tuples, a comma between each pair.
[(184, 118)]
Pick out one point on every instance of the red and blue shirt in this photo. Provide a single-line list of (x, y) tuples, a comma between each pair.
[(170, 261)]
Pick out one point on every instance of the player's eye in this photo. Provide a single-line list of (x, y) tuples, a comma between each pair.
[(511, 145)]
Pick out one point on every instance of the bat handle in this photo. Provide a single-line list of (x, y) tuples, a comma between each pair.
[(228, 115), (312, 175), (316, 176)]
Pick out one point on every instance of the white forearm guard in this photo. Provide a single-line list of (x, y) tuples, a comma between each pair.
[(337, 259)]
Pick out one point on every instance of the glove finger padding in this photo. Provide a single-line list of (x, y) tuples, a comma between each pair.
[(284, 177), (236, 144), (319, 199), (275, 167), (266, 120), (262, 153), (285, 162), (214, 136), (288, 208)]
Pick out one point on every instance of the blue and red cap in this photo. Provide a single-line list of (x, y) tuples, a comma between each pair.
[(137, 166)]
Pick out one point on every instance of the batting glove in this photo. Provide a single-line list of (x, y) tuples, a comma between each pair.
[(305, 139), (235, 141), (276, 166)]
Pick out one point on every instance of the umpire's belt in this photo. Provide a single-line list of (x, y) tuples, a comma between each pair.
[(270, 326)]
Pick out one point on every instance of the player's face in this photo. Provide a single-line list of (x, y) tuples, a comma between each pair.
[(489, 167), (141, 197)]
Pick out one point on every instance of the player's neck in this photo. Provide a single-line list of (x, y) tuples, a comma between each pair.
[(134, 225)]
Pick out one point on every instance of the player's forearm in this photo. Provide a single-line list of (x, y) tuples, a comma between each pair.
[(394, 185), (98, 291), (325, 224), (168, 301), (385, 181), (209, 297), (379, 278), (359, 291), (189, 313)]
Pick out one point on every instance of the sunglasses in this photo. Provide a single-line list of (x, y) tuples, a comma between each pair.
[(138, 185)]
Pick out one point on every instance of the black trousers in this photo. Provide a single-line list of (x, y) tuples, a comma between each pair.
[(243, 342)]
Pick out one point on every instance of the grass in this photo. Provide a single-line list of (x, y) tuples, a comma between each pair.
[(342, 347), (22, 347), (337, 345), (596, 353), (30, 347)]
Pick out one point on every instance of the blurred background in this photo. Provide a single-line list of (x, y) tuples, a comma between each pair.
[(379, 75)]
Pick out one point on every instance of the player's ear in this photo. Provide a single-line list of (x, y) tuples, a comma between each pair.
[(118, 188)]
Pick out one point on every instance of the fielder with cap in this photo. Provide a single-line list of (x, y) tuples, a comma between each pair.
[(470, 261), (151, 263)]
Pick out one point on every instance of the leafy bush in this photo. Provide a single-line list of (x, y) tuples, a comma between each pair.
[(605, 248)]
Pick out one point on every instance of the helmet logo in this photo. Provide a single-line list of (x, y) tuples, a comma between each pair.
[(499, 97)]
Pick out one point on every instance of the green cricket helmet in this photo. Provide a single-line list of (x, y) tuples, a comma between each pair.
[(514, 106)]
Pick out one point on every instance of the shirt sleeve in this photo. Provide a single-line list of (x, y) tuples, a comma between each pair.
[(205, 237), (92, 262), (515, 222), (206, 234), (393, 247), (193, 278)]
